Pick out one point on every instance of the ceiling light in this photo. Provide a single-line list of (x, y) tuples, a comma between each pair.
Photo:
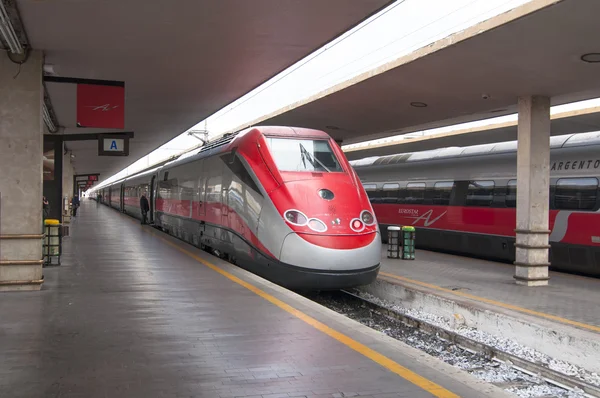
[(418, 104), (49, 70), (592, 58), (8, 32), (47, 118)]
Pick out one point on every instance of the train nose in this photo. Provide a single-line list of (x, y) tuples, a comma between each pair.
[(297, 251)]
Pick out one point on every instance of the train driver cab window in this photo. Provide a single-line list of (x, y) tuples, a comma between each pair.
[(441, 192), (480, 193), (415, 193), (576, 193), (303, 155), (390, 193)]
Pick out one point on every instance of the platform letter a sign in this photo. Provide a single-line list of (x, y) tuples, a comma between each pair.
[(113, 145), (100, 106)]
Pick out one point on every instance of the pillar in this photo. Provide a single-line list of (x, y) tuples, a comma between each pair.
[(21, 144), (533, 182)]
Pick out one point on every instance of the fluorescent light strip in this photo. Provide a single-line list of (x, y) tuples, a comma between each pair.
[(48, 119), (8, 31)]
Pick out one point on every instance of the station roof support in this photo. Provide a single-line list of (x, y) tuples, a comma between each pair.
[(533, 191)]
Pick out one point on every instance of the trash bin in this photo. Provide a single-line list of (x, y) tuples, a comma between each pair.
[(52, 242), (394, 243), (408, 243)]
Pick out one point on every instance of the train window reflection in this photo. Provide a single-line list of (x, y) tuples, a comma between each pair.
[(511, 194), (391, 193), (480, 193), (441, 192), (576, 193), (415, 193), (303, 155), (371, 189)]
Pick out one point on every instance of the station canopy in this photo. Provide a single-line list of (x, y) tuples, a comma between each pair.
[(181, 61)]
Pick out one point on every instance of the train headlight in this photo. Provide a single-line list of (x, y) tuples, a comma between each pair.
[(367, 217), (317, 225), (295, 217), (357, 225)]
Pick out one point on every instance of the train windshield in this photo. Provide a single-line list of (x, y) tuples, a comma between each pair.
[(303, 155)]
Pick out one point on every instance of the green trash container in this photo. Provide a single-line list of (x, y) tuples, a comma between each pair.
[(52, 247), (408, 243)]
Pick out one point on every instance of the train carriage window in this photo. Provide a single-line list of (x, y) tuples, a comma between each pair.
[(369, 187), (391, 193), (480, 193), (511, 194), (576, 193), (371, 190), (441, 192), (415, 193)]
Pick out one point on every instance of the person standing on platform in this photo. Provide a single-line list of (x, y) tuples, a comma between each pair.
[(75, 205), (45, 208), (145, 207)]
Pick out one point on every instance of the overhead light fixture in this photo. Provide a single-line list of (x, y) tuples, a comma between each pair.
[(47, 118), (418, 104), (49, 70), (591, 58), (8, 32)]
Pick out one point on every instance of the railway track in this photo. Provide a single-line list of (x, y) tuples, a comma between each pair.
[(512, 373)]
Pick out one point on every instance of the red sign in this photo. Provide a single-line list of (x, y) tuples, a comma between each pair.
[(100, 106), (92, 178)]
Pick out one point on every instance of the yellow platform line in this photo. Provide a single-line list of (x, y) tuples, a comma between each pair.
[(375, 356), (494, 302)]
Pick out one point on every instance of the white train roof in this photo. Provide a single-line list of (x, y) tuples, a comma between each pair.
[(559, 141)]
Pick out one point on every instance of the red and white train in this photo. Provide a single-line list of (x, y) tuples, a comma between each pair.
[(281, 202), (462, 200)]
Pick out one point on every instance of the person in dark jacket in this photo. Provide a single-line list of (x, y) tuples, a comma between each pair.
[(75, 205), (45, 208), (145, 207)]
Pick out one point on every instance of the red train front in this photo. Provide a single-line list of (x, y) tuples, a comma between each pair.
[(318, 222)]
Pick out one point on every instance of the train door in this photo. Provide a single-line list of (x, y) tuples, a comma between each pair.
[(151, 199), (122, 197)]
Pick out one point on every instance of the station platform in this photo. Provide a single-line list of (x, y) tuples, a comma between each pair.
[(561, 320), (132, 312), (568, 299)]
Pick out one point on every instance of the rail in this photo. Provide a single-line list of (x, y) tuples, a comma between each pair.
[(551, 376)]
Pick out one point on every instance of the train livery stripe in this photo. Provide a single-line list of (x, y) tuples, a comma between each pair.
[(407, 374), (576, 228), (495, 303)]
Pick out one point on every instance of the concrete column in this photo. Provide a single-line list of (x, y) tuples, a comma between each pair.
[(533, 182), (21, 143)]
